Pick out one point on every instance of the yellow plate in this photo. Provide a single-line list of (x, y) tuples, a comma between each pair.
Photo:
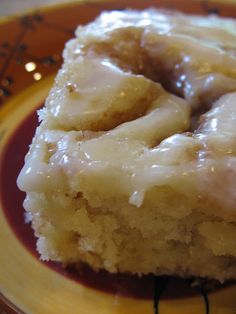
[(30, 52)]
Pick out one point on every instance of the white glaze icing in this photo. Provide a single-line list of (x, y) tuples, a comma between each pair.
[(140, 149)]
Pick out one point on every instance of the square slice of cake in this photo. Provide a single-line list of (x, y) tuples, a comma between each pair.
[(133, 165)]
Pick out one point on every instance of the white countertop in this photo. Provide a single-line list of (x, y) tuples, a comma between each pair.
[(9, 7)]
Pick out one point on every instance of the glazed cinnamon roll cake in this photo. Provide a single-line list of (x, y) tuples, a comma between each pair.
[(133, 165)]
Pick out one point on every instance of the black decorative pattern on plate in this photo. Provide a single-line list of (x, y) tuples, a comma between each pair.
[(18, 50), (209, 9), (199, 286)]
